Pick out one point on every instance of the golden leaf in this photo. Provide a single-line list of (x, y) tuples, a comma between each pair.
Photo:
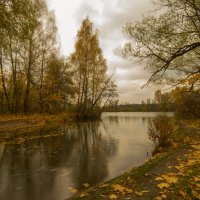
[(182, 193), (129, 191), (83, 195), (172, 179), (196, 194), (113, 196), (73, 190), (197, 179), (190, 171), (163, 185), (138, 193), (158, 198), (121, 189), (159, 179), (118, 188), (86, 185), (164, 196), (181, 166), (104, 185)]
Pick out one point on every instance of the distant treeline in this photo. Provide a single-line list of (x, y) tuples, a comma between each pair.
[(141, 108), (181, 100)]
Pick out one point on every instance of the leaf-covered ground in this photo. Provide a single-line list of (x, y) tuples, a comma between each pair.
[(170, 175)]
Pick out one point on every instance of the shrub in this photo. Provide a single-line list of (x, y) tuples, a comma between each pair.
[(160, 131)]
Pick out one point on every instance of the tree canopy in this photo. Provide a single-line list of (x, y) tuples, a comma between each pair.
[(168, 42)]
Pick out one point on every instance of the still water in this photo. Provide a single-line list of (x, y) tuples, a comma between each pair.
[(45, 166)]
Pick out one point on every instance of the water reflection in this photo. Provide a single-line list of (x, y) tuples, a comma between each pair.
[(91, 155), (44, 166)]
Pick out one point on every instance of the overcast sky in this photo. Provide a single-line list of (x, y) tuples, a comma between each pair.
[(108, 16)]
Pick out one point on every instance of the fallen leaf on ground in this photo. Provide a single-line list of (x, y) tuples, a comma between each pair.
[(172, 179), (83, 195), (73, 190), (182, 193), (163, 185), (164, 196), (138, 193), (118, 188), (196, 194), (197, 179), (104, 185), (86, 185), (113, 196), (158, 198), (159, 179), (121, 189)]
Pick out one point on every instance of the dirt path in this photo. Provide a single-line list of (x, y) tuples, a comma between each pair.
[(164, 180)]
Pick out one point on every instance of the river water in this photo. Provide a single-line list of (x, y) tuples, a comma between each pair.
[(55, 161)]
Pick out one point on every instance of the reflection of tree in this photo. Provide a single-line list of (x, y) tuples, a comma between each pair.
[(19, 176), (34, 164), (29, 165), (113, 119), (91, 155)]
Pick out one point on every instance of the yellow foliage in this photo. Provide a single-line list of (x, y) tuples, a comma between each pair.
[(196, 194), (121, 189), (83, 195), (73, 190), (163, 185), (170, 178), (182, 193), (159, 179), (86, 185), (138, 193), (164, 196), (181, 166), (104, 185), (197, 179), (113, 196), (158, 198)]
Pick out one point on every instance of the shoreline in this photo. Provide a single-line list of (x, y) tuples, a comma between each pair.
[(10, 123), (167, 175)]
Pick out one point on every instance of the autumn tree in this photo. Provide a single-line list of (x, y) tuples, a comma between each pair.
[(58, 85), (28, 39), (93, 85), (164, 100), (168, 42), (187, 103)]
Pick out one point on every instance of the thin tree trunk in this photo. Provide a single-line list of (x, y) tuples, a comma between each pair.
[(28, 84), (3, 81), (41, 84), (14, 78)]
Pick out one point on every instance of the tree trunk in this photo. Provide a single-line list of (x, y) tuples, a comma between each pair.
[(28, 83), (3, 81)]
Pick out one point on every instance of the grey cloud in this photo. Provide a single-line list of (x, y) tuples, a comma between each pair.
[(130, 10), (129, 71), (133, 93)]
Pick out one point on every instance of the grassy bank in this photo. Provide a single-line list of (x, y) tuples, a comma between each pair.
[(170, 175), (16, 129), (12, 122)]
